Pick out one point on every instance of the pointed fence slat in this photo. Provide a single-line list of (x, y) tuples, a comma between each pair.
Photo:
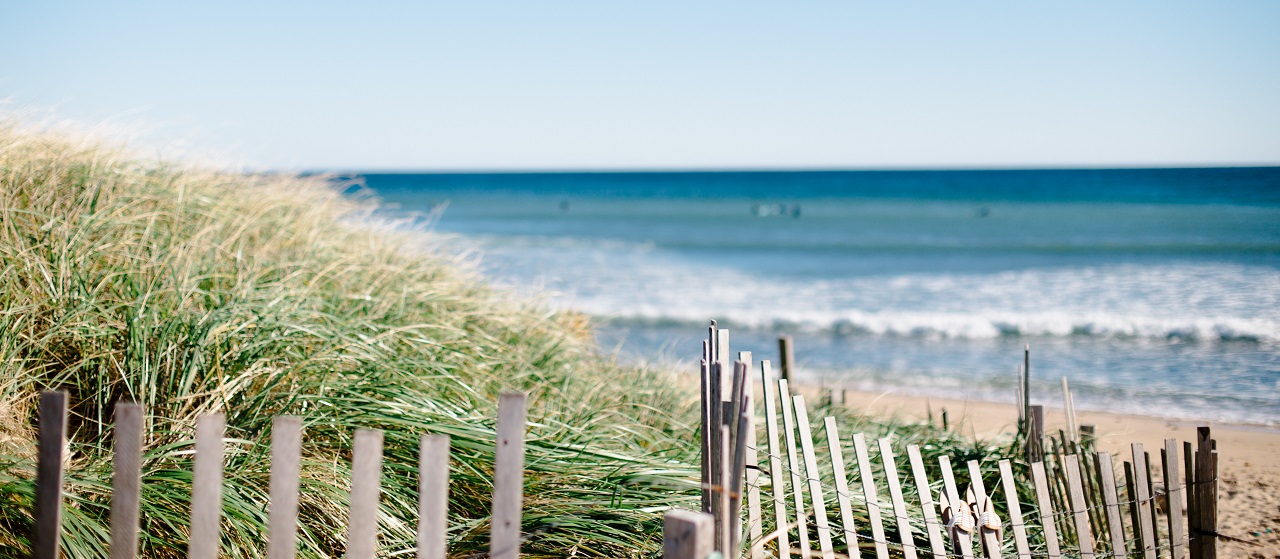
[(1107, 473), (777, 483), (433, 496), (206, 488), (797, 478), (905, 536), (723, 541), (931, 525), (1079, 508), (754, 516), (1141, 481), (815, 479), (282, 513), (961, 543), (1019, 529), (1173, 496), (687, 535), (718, 442), (848, 530), (1044, 506), (48, 497), (366, 480), (508, 477), (125, 481), (869, 493)]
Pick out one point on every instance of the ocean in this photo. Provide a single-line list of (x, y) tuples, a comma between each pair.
[(1154, 291)]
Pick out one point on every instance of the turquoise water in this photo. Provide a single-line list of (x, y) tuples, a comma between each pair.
[(1153, 291)]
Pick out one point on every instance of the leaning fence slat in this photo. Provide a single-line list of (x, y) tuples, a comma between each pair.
[(704, 434), (508, 477), (48, 498), (282, 514), (433, 496), (848, 531), (718, 443), (1015, 510), (723, 542), (1107, 473), (1078, 506), (899, 504), (738, 476), (1204, 539), (755, 520), (931, 526), (366, 480), (1044, 506), (125, 481), (797, 478), (1173, 496), (1142, 483), (687, 535), (1189, 475), (206, 488), (961, 545), (869, 493), (975, 481), (815, 479), (776, 473)]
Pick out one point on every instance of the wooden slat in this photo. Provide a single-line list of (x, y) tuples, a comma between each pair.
[(787, 355), (848, 529), (1107, 475), (723, 541), (975, 481), (282, 514), (1079, 507), (433, 496), (704, 433), (815, 479), (1203, 543), (687, 535), (718, 444), (1189, 476), (872, 498), (905, 536), (755, 522), (508, 477), (48, 497), (777, 475), (723, 357), (737, 453), (797, 469), (738, 474), (366, 488), (1131, 502), (1016, 522), (1142, 484), (931, 526), (126, 481), (963, 542), (1173, 497), (1044, 506), (206, 488)]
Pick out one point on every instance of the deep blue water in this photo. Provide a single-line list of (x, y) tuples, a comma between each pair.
[(1153, 290)]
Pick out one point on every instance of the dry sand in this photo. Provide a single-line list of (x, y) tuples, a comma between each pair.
[(1249, 506)]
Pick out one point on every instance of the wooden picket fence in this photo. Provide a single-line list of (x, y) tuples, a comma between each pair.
[(282, 514), (1077, 504)]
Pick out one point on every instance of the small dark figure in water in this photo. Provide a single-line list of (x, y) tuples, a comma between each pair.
[(984, 212), (795, 211), (564, 206)]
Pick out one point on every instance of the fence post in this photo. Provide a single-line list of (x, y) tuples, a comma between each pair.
[(687, 535), (433, 496), (282, 513), (125, 481), (206, 488), (48, 501), (1035, 434), (366, 481), (508, 478), (787, 357)]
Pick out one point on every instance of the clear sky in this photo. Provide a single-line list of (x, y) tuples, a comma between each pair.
[(654, 84)]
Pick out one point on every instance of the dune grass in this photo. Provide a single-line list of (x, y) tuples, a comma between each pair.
[(194, 291)]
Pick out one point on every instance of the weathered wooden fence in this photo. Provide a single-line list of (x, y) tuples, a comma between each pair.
[(1077, 507), (282, 513)]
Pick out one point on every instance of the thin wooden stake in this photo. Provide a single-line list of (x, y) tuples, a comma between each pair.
[(786, 355), (1131, 492), (1204, 536), (687, 535), (848, 530), (755, 523), (899, 504), (718, 444), (508, 477), (724, 542), (704, 433), (796, 467), (206, 488), (1107, 473), (1044, 506), (815, 480), (48, 498), (923, 490), (777, 478), (282, 514), (433, 496), (1079, 507), (1173, 497), (739, 476), (1010, 488), (1146, 527), (366, 488), (126, 481), (870, 495)]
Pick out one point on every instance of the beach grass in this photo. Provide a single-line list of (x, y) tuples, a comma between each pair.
[(195, 291)]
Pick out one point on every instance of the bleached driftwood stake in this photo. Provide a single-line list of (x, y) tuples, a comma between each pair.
[(433, 496), (206, 488), (125, 481), (872, 498), (687, 535), (508, 477), (815, 480), (848, 530), (899, 503), (1078, 507), (797, 478), (282, 513), (1044, 505), (1015, 510), (366, 488), (931, 526), (777, 481)]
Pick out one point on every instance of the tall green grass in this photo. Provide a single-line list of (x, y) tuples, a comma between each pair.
[(194, 291)]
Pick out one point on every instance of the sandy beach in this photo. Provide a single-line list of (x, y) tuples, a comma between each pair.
[(1249, 508)]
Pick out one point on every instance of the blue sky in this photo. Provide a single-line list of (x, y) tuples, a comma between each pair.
[(569, 85)]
